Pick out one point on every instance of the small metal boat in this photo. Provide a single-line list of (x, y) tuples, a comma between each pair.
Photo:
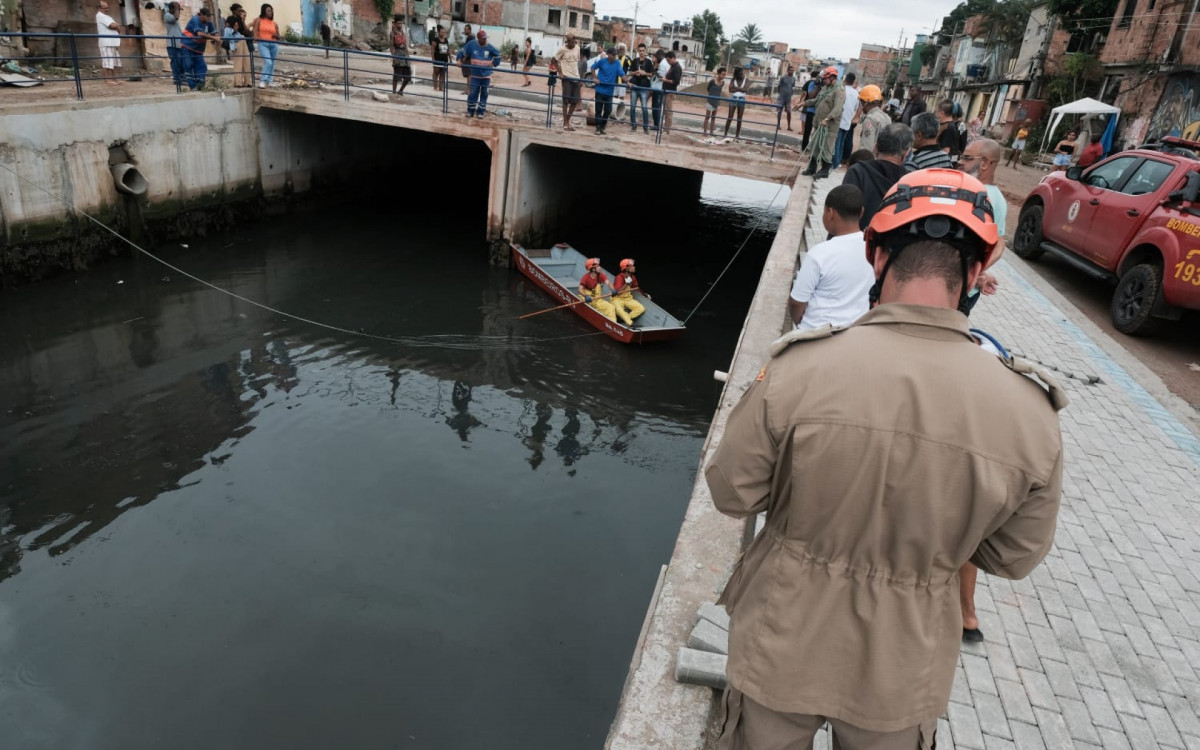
[(558, 271)]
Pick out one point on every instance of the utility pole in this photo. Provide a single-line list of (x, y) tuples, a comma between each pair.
[(525, 33), (633, 42)]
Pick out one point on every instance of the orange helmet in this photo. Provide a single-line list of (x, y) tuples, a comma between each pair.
[(935, 204), (830, 71), (591, 263), (627, 263), (870, 93)]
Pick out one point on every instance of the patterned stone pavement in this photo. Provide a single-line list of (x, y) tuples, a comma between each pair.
[(1100, 646)]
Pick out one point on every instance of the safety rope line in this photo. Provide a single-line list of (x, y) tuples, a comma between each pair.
[(414, 341), (753, 229)]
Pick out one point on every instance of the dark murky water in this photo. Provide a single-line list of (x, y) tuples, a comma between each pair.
[(223, 528)]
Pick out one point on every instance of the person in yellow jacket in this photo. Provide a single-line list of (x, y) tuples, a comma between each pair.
[(591, 288), (626, 306)]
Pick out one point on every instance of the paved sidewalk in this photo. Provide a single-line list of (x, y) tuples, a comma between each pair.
[(1100, 646)]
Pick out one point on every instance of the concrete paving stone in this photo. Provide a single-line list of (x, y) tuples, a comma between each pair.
[(1053, 729), (1001, 662), (1100, 708), (1062, 679), (1015, 701), (714, 613), (1191, 741), (1079, 721), (1140, 639), (1113, 740), (1137, 730), (1027, 736), (1101, 656), (706, 636), (1052, 601), (1161, 676), (1191, 649), (979, 674), (1158, 631), (1178, 624), (1120, 695), (1106, 617), (1065, 632), (1038, 688), (1141, 601), (1090, 590), (1046, 644), (964, 727), (1123, 610), (1178, 664), (1031, 610), (1162, 725), (1086, 625), (990, 713), (1095, 561), (960, 691), (943, 731), (996, 743), (1024, 653)]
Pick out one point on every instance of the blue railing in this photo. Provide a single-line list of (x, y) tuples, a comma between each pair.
[(344, 68)]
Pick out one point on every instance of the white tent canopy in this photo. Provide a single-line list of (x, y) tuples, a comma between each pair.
[(1085, 106)]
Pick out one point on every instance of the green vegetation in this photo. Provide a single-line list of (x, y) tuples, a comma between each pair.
[(1085, 15), (1080, 77), (386, 9), (750, 34), (707, 28)]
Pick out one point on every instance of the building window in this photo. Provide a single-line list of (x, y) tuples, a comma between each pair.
[(587, 22), (555, 18), (1127, 16), (475, 7), (574, 19)]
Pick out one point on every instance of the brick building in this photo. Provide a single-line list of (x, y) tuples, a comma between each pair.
[(1151, 63), (777, 48), (550, 17), (875, 62)]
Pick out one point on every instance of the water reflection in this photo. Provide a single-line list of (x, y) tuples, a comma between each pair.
[(185, 480)]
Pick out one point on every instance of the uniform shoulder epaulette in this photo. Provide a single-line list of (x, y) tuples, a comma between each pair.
[(812, 334), (1058, 396)]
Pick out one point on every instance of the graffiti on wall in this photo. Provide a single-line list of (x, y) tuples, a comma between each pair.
[(1178, 111), (339, 18)]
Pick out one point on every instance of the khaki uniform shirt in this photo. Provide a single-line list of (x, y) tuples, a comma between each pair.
[(885, 456), (830, 103), (871, 126)]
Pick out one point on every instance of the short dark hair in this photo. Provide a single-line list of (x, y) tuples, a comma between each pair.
[(926, 124), (846, 200), (946, 107), (204, 12), (894, 140), (671, 55), (642, 45), (1096, 138), (925, 259), (721, 69), (863, 154), (397, 18), (851, 78)]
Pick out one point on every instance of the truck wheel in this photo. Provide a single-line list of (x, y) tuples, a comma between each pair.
[(1137, 292), (1027, 243)]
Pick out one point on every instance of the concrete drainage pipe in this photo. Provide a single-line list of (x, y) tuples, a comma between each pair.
[(129, 180)]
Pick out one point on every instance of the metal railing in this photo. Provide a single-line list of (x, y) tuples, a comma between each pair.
[(346, 69)]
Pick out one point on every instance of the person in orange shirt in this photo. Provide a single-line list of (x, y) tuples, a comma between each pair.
[(266, 31)]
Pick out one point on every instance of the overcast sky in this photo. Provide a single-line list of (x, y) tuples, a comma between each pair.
[(833, 28)]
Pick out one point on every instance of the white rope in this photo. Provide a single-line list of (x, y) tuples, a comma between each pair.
[(753, 229), (446, 341)]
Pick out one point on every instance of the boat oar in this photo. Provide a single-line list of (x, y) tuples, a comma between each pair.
[(569, 304)]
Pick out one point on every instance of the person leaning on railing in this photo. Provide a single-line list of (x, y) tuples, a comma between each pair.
[(237, 36), (440, 52), (266, 32)]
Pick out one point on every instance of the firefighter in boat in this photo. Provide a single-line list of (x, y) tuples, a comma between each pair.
[(591, 288)]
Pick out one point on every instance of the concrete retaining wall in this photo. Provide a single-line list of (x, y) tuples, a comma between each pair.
[(193, 151), (655, 710)]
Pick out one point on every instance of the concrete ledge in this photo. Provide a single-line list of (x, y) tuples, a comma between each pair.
[(656, 710)]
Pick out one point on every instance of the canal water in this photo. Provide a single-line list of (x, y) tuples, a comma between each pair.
[(221, 527)]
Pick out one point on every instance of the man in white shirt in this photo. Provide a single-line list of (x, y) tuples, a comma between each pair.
[(980, 159), (833, 284), (109, 42), (845, 136)]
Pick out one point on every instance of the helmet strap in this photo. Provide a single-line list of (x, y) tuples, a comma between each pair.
[(877, 288)]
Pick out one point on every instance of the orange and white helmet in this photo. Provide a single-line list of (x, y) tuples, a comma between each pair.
[(591, 263), (830, 71), (935, 204), (627, 263)]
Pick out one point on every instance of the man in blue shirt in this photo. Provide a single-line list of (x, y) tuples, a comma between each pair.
[(608, 71), (195, 35), (482, 57)]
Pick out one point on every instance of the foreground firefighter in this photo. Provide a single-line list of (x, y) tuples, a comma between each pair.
[(885, 456)]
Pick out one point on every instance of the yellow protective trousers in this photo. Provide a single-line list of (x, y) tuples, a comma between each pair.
[(603, 306), (627, 307)]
